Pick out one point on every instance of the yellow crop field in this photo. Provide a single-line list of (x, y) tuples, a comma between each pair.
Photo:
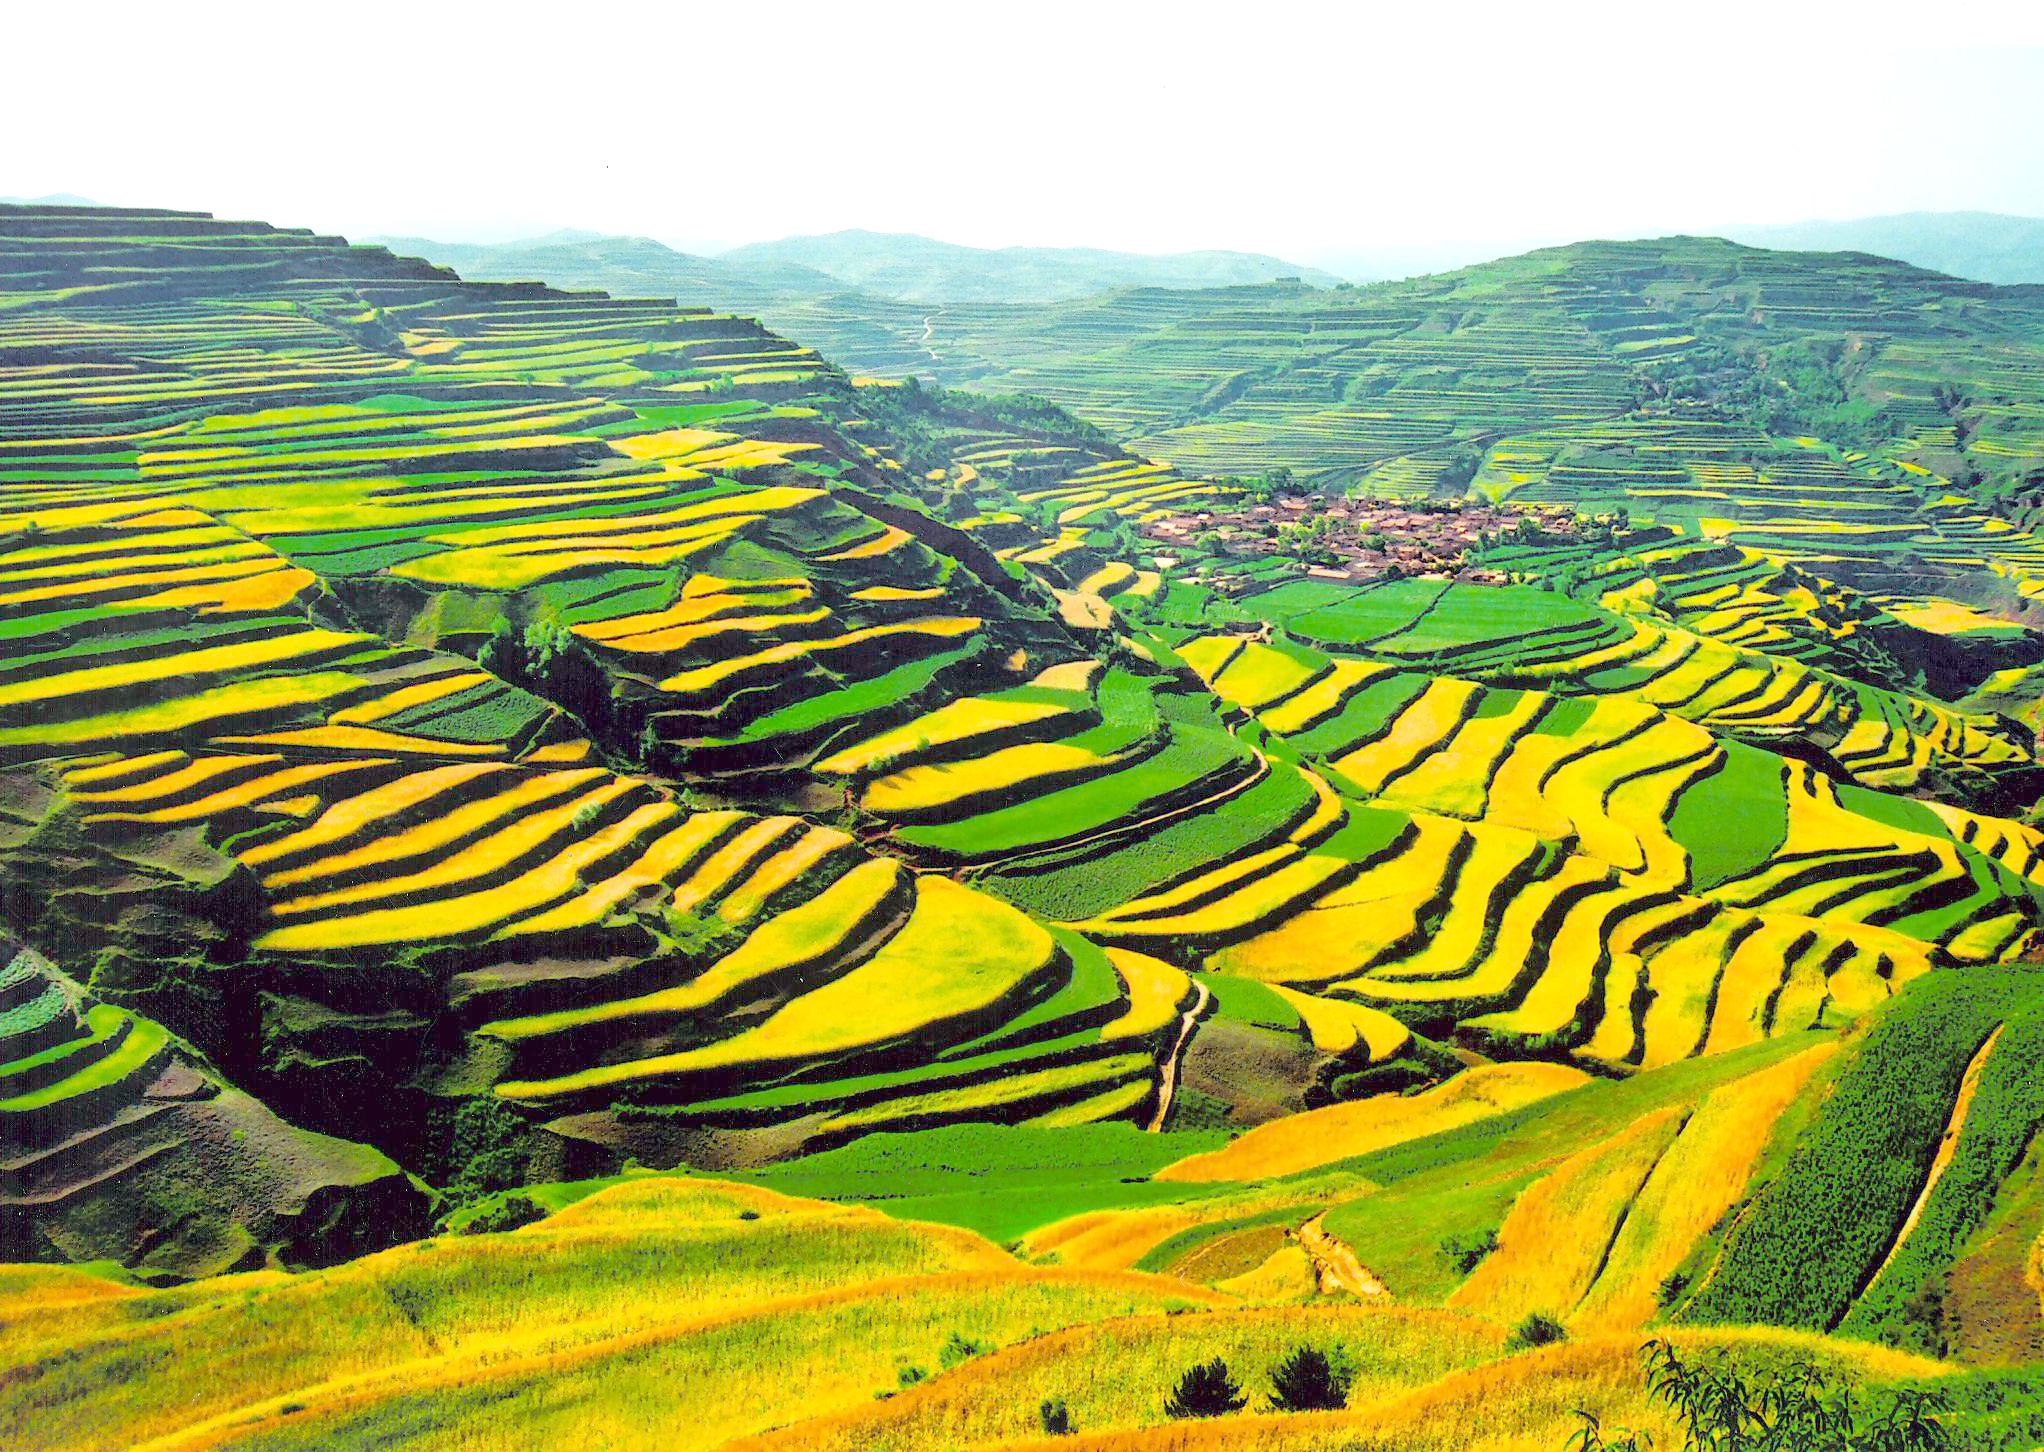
[(1343, 1131), (959, 951), (365, 810), (665, 856), (1042, 764), (1424, 726), (260, 696), (182, 666), (431, 835), (471, 911), (804, 933), (1455, 780), (954, 721), (793, 863), (706, 678), (257, 789), (1323, 697), (1335, 1027), (733, 858), (1155, 992)]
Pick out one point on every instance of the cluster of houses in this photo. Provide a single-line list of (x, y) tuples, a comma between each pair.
[(1363, 539)]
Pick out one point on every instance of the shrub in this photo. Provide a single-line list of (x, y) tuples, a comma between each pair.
[(507, 1214), (957, 1350), (1671, 1288), (1463, 1255), (1206, 1390), (1795, 1408), (1055, 1416), (1306, 1381), (1539, 1329)]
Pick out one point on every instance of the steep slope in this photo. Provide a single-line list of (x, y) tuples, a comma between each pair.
[(121, 1146)]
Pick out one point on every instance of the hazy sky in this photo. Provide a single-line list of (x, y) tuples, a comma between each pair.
[(1305, 131)]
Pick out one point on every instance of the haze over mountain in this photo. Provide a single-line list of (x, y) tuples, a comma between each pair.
[(1980, 246), (624, 267), (897, 267), (921, 269)]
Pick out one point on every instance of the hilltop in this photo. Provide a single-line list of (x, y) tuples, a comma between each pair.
[(496, 745)]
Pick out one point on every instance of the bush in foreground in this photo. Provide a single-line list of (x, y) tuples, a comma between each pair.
[(1207, 1390), (1797, 1408), (1307, 1381)]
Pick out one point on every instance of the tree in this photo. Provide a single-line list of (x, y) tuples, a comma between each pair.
[(1055, 1416), (1206, 1390), (1305, 1381)]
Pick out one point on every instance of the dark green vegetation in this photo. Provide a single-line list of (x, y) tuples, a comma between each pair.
[(1793, 1408)]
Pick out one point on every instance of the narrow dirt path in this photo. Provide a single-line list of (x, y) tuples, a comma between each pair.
[(1167, 1084), (1948, 1145), (1335, 1266), (930, 327)]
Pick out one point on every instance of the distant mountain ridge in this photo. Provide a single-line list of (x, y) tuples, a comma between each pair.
[(881, 267), (920, 269), (623, 267), (1980, 246)]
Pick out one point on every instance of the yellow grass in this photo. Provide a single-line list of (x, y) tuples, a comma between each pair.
[(1342, 1131), (1554, 1238), (1696, 1182)]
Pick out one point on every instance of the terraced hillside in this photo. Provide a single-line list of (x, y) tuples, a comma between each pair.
[(1874, 421), (534, 734)]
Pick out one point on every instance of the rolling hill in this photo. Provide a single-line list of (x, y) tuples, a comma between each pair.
[(592, 773), (1982, 246), (907, 268)]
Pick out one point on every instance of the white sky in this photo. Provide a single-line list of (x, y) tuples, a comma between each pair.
[(1306, 131)]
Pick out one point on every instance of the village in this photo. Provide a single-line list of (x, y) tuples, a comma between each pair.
[(1354, 539)]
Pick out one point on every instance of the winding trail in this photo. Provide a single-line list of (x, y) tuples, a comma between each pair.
[(1335, 1266), (1167, 1084), (930, 327)]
